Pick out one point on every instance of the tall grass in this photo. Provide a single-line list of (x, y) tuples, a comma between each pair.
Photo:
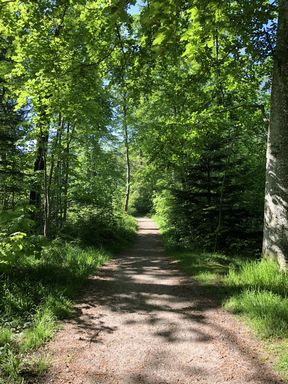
[(35, 294), (254, 289), (267, 312), (39, 279), (255, 275), (261, 298)]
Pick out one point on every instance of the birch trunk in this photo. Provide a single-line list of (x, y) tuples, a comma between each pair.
[(275, 237)]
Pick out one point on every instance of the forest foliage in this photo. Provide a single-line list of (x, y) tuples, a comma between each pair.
[(171, 103), (106, 107)]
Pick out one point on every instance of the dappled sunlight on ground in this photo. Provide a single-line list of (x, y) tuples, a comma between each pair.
[(140, 320)]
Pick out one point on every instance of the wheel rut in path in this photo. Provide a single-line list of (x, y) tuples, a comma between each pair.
[(141, 321)]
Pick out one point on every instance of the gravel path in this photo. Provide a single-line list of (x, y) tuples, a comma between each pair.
[(141, 321)]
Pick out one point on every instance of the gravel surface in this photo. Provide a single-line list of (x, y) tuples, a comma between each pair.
[(141, 321)]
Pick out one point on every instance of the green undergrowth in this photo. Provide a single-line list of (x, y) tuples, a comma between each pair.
[(260, 298), (39, 278), (207, 268), (94, 227), (38, 283), (255, 290)]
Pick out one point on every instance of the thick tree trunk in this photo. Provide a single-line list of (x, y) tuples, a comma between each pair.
[(275, 237)]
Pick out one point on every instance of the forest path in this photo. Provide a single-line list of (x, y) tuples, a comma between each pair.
[(141, 321)]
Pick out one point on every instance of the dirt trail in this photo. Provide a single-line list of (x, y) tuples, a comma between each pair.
[(141, 321)]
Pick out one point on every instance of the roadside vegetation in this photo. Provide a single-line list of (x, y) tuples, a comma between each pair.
[(148, 107), (255, 290), (38, 280)]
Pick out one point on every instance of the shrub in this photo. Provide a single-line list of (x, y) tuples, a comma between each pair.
[(101, 227)]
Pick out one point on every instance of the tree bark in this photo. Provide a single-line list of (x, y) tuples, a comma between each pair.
[(39, 165), (123, 70), (46, 198), (128, 168), (275, 236), (59, 182), (67, 169)]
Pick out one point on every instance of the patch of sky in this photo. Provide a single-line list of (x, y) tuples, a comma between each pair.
[(135, 9)]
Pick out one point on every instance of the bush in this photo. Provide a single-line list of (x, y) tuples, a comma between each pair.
[(12, 247), (101, 227)]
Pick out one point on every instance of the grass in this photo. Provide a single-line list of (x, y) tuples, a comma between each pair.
[(205, 268), (35, 366), (254, 290), (260, 298), (5, 336), (35, 294), (267, 312), (39, 279), (41, 330), (258, 275)]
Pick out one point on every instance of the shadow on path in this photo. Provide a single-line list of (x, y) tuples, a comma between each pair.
[(140, 303)]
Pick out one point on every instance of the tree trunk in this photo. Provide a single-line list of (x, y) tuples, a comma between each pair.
[(67, 169), (128, 168), (209, 195), (39, 165), (59, 183), (218, 229), (46, 198), (275, 236), (52, 189), (124, 67)]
